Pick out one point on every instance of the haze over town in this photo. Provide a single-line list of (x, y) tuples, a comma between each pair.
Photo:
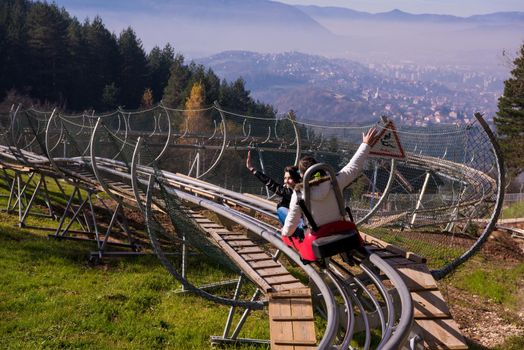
[(430, 61)]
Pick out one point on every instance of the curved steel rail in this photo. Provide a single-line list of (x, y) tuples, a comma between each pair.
[(438, 274)]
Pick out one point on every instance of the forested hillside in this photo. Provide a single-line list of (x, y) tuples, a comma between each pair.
[(54, 58)]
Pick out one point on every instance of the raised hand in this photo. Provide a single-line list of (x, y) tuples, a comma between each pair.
[(249, 163), (371, 136)]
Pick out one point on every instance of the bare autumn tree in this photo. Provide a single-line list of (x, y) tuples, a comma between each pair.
[(196, 117)]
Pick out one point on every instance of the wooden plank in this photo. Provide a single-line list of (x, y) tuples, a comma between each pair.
[(430, 304), (296, 343), (241, 244), (246, 267), (385, 254), (417, 277), (287, 286), (249, 250), (298, 293), (273, 271), (263, 264), (377, 242), (256, 257), (291, 320), (398, 261), (229, 233), (303, 330), (221, 230), (285, 279), (233, 238), (441, 334), (279, 330)]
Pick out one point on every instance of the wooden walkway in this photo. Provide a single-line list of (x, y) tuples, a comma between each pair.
[(291, 321), (433, 319)]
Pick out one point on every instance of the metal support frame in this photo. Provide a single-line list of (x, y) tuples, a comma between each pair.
[(421, 195), (83, 212), (19, 190), (233, 338), (41, 183), (373, 183), (195, 166)]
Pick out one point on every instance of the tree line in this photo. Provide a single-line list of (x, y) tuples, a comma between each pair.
[(52, 57)]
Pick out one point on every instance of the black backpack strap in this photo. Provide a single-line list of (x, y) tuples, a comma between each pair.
[(306, 212), (350, 215)]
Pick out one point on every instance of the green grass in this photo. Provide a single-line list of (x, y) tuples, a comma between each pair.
[(514, 210), (499, 284), (494, 282), (437, 254), (50, 298), (513, 343)]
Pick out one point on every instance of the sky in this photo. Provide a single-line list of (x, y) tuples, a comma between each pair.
[(462, 8)]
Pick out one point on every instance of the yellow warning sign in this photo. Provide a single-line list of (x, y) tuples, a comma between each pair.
[(388, 143)]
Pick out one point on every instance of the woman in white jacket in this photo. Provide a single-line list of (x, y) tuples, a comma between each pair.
[(324, 206)]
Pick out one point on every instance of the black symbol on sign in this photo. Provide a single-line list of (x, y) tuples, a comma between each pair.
[(386, 140)]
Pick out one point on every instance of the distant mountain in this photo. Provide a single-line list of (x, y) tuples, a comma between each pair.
[(394, 15), (203, 27), (423, 38), (501, 17), (398, 15)]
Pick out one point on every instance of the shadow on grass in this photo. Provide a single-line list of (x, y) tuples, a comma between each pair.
[(24, 245), (473, 345)]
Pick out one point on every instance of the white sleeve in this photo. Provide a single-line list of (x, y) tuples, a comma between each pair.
[(293, 216), (353, 169)]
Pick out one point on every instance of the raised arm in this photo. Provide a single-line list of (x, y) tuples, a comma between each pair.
[(249, 163), (353, 169), (271, 184)]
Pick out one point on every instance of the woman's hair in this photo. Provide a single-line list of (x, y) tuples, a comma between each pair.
[(293, 173), (305, 163)]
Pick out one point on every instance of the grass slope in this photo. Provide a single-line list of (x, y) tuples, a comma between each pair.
[(51, 298)]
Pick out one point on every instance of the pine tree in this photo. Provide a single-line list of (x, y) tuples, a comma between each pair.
[(46, 40), (109, 97), (4, 83), (159, 63), (133, 67), (104, 61), (15, 58), (510, 117), (212, 84), (234, 96), (178, 78), (77, 66)]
